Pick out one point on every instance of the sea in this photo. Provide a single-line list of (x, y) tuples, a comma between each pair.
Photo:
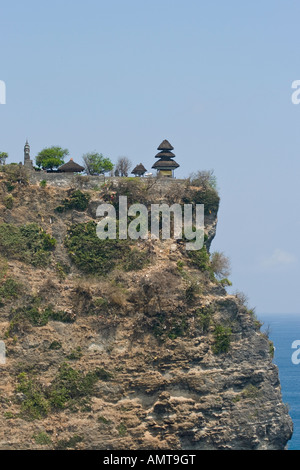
[(284, 331)]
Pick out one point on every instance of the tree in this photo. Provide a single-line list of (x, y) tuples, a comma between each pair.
[(3, 157), (96, 164), (204, 179), (51, 157), (123, 166), (220, 264)]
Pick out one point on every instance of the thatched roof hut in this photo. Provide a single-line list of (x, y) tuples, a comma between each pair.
[(70, 167), (139, 170)]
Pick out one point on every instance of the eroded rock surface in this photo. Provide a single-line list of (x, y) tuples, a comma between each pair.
[(161, 378)]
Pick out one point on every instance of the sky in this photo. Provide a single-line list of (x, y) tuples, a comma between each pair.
[(213, 77)]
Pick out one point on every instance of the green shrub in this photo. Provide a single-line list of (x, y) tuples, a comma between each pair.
[(103, 374), (158, 325), (10, 415), (122, 430), (172, 328), (100, 302), (55, 345), (222, 336), (35, 315), (42, 438), (135, 189), (71, 443), (43, 183), (62, 270), (250, 391), (34, 405), (271, 349), (136, 260), (28, 243), (59, 209), (10, 187), (89, 253), (75, 354), (207, 196), (200, 259), (10, 289), (3, 268), (204, 317), (95, 256), (77, 200), (8, 202), (16, 173), (71, 385), (69, 389), (180, 265), (191, 292), (225, 282), (178, 328), (102, 419), (59, 315)]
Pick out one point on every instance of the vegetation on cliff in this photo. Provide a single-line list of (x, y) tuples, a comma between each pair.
[(51, 157), (94, 256), (120, 343), (28, 243)]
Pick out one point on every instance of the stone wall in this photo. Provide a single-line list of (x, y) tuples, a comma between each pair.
[(68, 180)]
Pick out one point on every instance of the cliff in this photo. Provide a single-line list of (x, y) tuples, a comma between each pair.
[(124, 345)]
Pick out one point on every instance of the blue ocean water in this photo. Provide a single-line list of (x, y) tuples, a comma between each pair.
[(284, 330)]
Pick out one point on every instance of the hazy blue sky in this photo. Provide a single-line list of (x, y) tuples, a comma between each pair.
[(212, 77)]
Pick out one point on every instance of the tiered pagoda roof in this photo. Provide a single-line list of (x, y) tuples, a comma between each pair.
[(165, 156), (165, 145)]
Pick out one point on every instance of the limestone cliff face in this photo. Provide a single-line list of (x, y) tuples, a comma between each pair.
[(160, 357)]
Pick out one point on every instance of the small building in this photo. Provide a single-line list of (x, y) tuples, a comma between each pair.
[(165, 166), (139, 170), (70, 167), (27, 161)]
